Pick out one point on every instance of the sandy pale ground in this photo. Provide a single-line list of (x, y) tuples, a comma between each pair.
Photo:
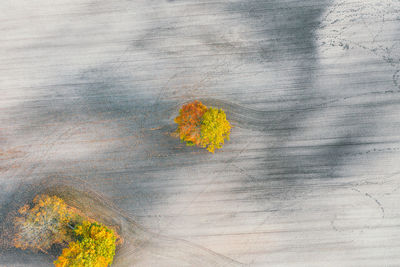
[(311, 176)]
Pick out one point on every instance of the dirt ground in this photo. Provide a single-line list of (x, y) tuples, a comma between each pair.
[(310, 177)]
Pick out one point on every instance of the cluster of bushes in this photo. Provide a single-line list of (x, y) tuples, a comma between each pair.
[(50, 221), (202, 126)]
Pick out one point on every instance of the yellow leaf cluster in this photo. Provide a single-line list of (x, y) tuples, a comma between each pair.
[(214, 129), (94, 247)]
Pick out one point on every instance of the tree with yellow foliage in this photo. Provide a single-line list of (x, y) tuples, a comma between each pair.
[(94, 247), (202, 126), (214, 129), (40, 226)]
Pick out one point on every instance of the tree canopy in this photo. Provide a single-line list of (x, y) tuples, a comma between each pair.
[(202, 126), (49, 220), (94, 247), (214, 129), (189, 122), (40, 226)]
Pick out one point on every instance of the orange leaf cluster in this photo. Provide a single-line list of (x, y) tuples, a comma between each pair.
[(42, 225), (189, 122)]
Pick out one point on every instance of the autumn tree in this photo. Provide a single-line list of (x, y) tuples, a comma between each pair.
[(40, 226), (214, 129), (94, 247), (202, 126), (189, 122)]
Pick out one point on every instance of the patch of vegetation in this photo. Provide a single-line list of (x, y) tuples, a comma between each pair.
[(189, 122), (214, 129), (202, 126), (94, 246), (49, 220), (40, 226)]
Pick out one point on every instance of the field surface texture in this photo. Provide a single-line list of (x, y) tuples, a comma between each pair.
[(310, 175)]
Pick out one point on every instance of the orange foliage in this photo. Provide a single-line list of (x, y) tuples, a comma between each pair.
[(189, 122), (44, 224)]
